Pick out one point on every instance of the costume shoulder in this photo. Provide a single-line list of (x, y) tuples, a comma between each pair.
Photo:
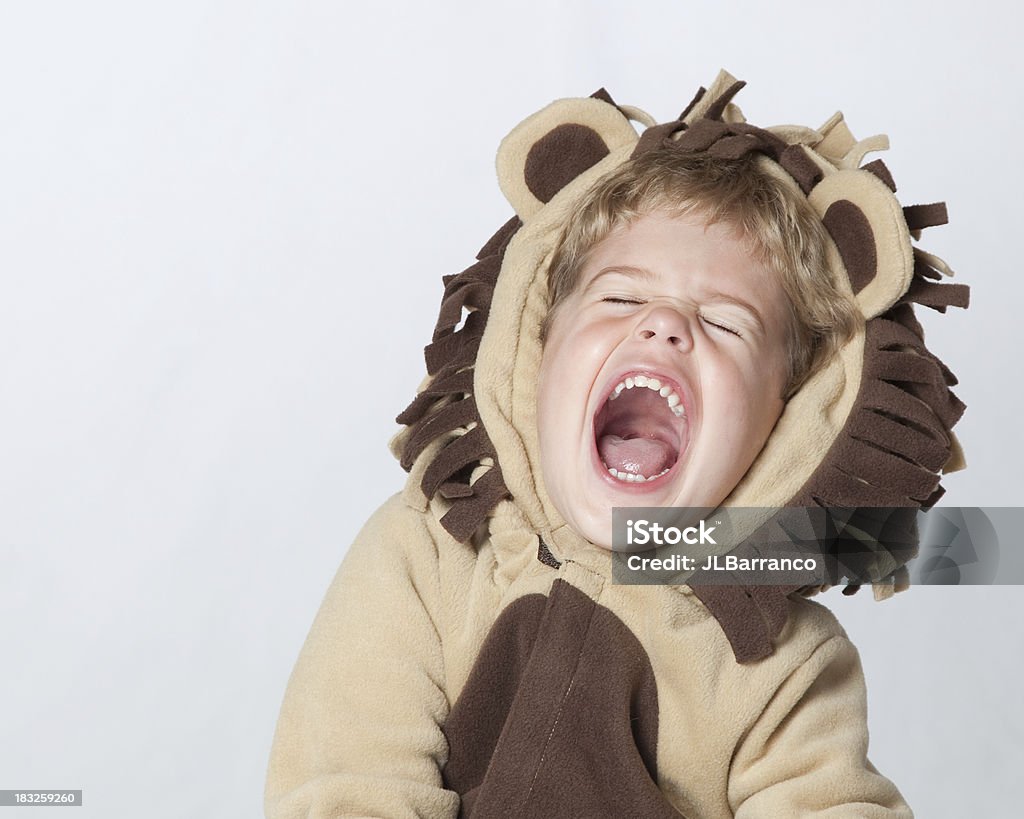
[(360, 729)]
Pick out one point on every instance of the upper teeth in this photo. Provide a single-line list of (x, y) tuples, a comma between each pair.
[(654, 384)]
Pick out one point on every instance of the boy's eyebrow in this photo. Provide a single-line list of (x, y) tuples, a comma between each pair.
[(715, 295), (628, 270)]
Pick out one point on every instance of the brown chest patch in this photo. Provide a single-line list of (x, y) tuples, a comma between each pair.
[(559, 717)]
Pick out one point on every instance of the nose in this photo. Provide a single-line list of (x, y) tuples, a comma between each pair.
[(664, 323)]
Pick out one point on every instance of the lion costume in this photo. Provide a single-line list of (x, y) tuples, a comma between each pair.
[(473, 658)]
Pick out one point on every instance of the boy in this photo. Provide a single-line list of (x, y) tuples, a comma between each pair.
[(665, 322)]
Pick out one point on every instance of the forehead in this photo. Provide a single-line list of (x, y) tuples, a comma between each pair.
[(683, 252)]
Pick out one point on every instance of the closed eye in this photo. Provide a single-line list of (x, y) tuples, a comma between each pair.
[(725, 328), (621, 300)]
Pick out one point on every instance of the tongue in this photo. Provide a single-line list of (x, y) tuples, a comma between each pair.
[(636, 456)]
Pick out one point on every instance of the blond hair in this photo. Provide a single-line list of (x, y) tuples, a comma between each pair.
[(782, 230)]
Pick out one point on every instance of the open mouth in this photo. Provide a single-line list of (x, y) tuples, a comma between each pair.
[(640, 432)]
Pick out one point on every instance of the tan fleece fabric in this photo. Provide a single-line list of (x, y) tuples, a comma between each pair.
[(399, 631)]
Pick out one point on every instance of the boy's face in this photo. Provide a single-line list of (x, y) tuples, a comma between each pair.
[(670, 299)]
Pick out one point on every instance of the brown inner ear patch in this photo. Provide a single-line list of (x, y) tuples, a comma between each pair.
[(560, 156), (851, 231)]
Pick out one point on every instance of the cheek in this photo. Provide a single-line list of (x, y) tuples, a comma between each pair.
[(552, 391), (764, 399), (573, 350), (552, 365), (551, 403), (572, 357), (751, 388)]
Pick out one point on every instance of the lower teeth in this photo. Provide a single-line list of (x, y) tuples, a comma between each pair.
[(629, 477)]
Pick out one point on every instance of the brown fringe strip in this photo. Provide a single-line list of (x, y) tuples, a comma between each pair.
[(457, 385), (470, 290), (938, 296), (449, 417), (924, 216), (696, 98), (656, 135), (700, 136), (755, 616), (924, 270), (462, 451), (801, 167), (456, 349), (717, 108), (879, 169), (467, 513), (495, 246)]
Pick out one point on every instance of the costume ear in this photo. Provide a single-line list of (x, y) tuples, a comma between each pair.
[(867, 225), (872, 231), (550, 149)]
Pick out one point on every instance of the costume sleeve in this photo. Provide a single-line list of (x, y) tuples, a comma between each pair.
[(807, 753), (359, 732)]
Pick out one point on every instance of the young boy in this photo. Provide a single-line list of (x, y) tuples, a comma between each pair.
[(711, 314)]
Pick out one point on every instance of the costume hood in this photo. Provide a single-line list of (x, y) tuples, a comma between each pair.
[(871, 429)]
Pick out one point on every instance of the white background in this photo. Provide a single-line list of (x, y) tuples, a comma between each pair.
[(222, 231)]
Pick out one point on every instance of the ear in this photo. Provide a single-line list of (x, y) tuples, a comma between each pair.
[(549, 150), (870, 232)]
